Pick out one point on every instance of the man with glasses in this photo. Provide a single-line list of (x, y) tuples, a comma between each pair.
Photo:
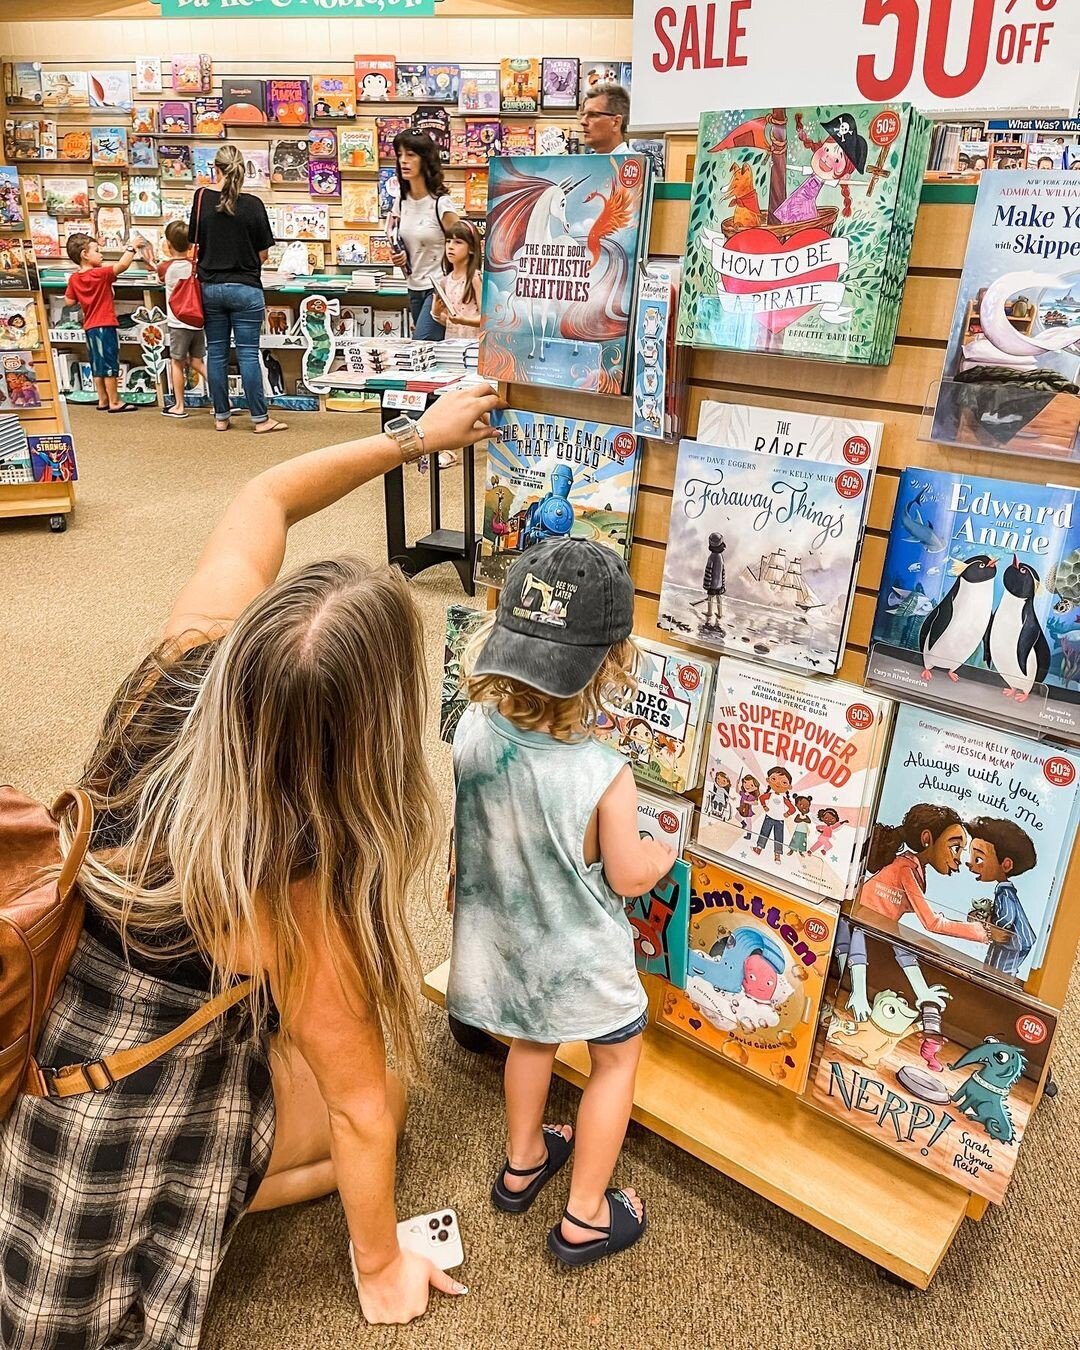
[(604, 115)]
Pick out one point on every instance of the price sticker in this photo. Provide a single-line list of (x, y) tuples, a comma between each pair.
[(405, 400)]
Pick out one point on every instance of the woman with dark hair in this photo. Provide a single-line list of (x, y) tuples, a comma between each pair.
[(233, 234), (418, 225)]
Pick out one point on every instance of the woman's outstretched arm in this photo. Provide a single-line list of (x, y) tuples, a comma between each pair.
[(244, 553)]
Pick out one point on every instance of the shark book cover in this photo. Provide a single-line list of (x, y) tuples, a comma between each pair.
[(564, 237), (663, 726), (755, 974), (971, 841), (939, 1067), (801, 222), (762, 554), (1013, 361), (791, 776), (660, 920), (550, 477), (979, 605)]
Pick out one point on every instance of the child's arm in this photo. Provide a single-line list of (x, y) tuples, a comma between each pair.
[(632, 865), (123, 262), (451, 876), (438, 309)]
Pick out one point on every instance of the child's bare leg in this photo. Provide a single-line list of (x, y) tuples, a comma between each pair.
[(102, 392), (601, 1127), (111, 393), (176, 372), (526, 1081)]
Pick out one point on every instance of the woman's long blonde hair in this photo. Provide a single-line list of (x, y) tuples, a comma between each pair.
[(230, 163), (292, 750)]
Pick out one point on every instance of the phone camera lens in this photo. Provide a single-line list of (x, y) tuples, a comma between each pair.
[(443, 1235), (447, 1220), (433, 1224)]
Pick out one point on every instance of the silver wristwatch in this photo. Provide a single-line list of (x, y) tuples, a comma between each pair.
[(409, 436)]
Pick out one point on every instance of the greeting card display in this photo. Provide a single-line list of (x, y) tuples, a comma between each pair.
[(800, 228)]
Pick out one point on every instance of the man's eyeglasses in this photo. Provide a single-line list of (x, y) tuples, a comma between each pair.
[(588, 116)]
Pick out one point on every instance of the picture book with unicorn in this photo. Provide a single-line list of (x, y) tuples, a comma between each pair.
[(979, 604), (939, 1067), (791, 776), (755, 974), (564, 236)]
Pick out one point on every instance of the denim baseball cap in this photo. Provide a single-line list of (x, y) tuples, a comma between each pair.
[(564, 604)]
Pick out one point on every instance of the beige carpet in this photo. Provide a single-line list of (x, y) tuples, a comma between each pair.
[(720, 1267)]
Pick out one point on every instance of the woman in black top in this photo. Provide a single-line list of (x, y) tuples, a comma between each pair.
[(233, 234)]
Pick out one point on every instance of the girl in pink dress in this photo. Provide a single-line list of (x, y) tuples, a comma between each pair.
[(461, 284)]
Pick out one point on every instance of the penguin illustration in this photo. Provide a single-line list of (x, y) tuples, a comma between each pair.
[(955, 629), (1016, 645)]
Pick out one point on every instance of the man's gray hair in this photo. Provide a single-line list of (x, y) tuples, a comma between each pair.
[(618, 100)]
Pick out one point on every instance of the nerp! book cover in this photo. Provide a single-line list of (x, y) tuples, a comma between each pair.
[(979, 605), (660, 920), (564, 235), (755, 974)]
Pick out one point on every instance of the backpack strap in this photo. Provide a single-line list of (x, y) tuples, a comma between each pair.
[(84, 824), (99, 1075)]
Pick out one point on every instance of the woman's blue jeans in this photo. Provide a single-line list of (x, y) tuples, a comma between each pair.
[(425, 329), (233, 310)]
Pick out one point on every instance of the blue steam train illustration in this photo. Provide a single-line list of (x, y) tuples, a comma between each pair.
[(552, 516)]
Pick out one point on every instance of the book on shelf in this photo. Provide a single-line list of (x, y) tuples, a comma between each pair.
[(243, 102), (256, 168), (461, 622), (108, 187), (15, 465), (65, 89), (206, 116), (110, 89), (661, 917), (971, 841), (18, 382), (32, 138), (755, 975), (360, 203), (801, 222), (940, 1067), (144, 119), (478, 91), (32, 189), (18, 265), (144, 196), (19, 330), (111, 228), (22, 84), (561, 252), (67, 196), (555, 477), (74, 146), (288, 102), (176, 162), (432, 120), (358, 147), (174, 118), (410, 78), (665, 817), (192, 73), (142, 152), (289, 160), (519, 138), (559, 77), (109, 145), (442, 82), (52, 455), (483, 140), (148, 75), (45, 234), (324, 178), (476, 192), (387, 128), (202, 164), (332, 96), (323, 143), (374, 79), (519, 84), (791, 776)]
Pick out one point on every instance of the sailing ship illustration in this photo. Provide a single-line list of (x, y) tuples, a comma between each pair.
[(780, 581)]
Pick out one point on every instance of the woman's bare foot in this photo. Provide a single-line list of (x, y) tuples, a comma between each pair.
[(535, 1160), (594, 1225)]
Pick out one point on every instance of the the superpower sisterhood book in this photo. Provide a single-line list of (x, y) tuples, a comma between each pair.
[(564, 236), (979, 606), (551, 477), (800, 228)]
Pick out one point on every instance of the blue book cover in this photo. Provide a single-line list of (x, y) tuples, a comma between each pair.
[(661, 924), (973, 833), (550, 477), (564, 235), (979, 606), (650, 392)]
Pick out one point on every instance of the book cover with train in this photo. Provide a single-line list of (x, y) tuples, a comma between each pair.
[(1013, 361), (550, 477), (970, 843), (979, 605), (755, 974), (564, 237), (762, 553), (663, 726), (801, 222), (791, 776), (939, 1067)]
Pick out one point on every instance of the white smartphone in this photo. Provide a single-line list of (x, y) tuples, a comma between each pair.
[(436, 1236)]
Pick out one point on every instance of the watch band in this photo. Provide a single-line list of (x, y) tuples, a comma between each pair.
[(409, 436)]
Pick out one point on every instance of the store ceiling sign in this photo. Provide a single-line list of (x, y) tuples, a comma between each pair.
[(296, 9), (955, 56)]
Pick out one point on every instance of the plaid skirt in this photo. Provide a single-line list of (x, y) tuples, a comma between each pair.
[(116, 1208)]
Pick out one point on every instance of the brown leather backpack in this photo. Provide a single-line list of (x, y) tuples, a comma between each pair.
[(41, 919)]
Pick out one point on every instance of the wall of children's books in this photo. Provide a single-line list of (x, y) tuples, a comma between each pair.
[(856, 715)]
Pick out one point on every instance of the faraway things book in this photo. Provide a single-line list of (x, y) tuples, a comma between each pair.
[(550, 477), (1013, 361), (971, 841), (800, 228), (755, 974), (662, 728), (762, 554), (791, 776), (979, 605), (938, 1067), (564, 235)]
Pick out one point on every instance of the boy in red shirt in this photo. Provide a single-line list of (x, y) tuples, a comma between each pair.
[(91, 288)]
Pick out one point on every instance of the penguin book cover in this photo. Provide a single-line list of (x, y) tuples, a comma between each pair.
[(660, 920), (979, 606), (762, 554), (564, 237), (937, 1066), (755, 974), (662, 728), (970, 842), (1013, 361), (800, 227), (550, 477), (791, 775)]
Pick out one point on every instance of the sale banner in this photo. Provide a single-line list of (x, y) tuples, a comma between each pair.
[(944, 56)]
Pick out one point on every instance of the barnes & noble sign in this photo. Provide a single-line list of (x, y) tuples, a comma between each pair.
[(296, 9)]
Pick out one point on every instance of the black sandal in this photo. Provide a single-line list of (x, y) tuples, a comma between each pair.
[(623, 1231), (559, 1149)]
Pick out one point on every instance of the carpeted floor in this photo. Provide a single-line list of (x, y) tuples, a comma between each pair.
[(720, 1267)]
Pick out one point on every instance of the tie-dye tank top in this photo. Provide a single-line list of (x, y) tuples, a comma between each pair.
[(542, 946)]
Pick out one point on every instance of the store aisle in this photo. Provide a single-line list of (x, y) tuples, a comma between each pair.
[(720, 1267)]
